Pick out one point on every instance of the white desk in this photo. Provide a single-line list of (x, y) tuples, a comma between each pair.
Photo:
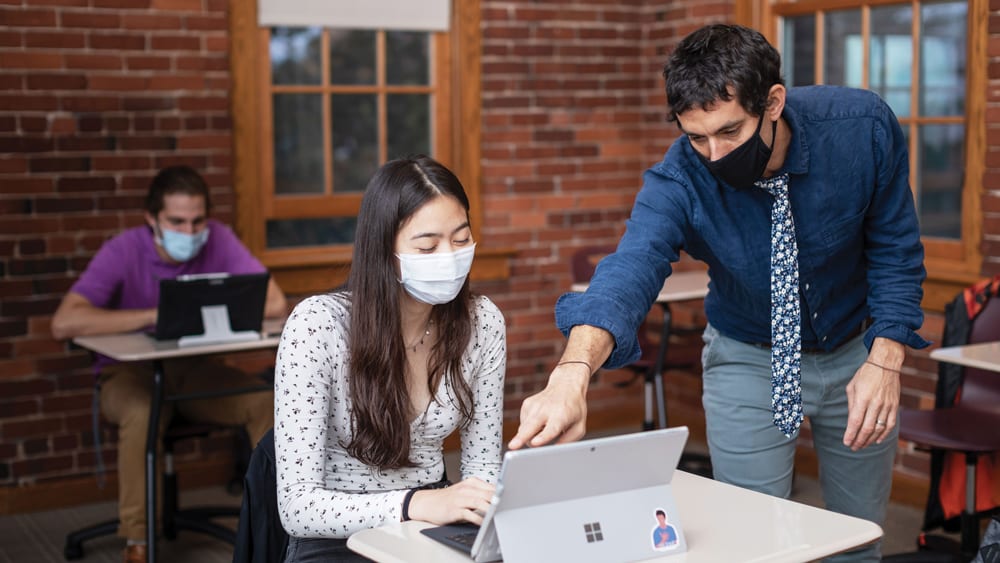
[(679, 286), (983, 356), (721, 523), (140, 347)]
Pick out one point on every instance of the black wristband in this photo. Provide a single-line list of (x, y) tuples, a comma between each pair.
[(406, 503)]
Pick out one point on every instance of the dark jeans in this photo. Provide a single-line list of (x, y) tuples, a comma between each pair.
[(318, 550)]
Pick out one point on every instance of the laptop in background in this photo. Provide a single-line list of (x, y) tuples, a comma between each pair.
[(210, 308), (598, 500)]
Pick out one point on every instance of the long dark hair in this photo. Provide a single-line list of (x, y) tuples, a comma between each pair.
[(381, 408), (715, 58)]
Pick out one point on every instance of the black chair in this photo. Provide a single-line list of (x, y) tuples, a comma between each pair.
[(969, 427), (197, 519), (652, 360), (259, 536)]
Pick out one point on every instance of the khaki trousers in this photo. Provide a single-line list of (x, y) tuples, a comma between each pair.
[(126, 389)]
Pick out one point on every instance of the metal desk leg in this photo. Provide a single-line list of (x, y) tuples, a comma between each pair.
[(152, 437), (661, 407)]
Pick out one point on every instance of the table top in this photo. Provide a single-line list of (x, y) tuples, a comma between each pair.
[(679, 286), (983, 356), (721, 523), (139, 346)]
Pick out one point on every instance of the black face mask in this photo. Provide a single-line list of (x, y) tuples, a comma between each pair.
[(746, 163)]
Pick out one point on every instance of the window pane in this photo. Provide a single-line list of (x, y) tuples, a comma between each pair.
[(842, 48), (941, 166), (298, 144), (295, 55), (310, 232), (355, 141), (892, 56), (408, 124), (799, 57), (352, 56), (942, 58), (407, 57)]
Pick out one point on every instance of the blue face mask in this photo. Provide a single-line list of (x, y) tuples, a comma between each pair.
[(182, 246)]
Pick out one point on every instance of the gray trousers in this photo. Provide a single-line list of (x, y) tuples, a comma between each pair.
[(749, 451)]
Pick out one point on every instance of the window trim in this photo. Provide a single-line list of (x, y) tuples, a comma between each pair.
[(951, 266), (312, 269)]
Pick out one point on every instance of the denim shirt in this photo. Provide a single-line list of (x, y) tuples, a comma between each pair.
[(860, 253)]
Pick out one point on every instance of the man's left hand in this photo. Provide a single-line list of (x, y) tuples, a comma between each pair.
[(873, 396)]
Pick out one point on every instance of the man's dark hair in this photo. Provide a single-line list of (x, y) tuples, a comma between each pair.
[(175, 180), (716, 63), (660, 512)]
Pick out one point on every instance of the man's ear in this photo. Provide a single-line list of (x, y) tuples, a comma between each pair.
[(775, 102), (150, 220)]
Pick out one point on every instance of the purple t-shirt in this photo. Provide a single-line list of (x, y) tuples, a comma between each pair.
[(126, 272)]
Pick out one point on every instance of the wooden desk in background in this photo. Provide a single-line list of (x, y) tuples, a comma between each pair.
[(680, 286), (140, 347)]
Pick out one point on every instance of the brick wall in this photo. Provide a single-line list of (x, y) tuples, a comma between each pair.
[(95, 95)]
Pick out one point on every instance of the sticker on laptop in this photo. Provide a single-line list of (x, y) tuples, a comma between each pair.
[(664, 535)]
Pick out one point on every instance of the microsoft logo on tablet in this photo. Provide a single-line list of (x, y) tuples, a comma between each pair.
[(593, 532)]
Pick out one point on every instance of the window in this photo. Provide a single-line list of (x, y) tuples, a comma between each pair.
[(927, 60), (318, 107)]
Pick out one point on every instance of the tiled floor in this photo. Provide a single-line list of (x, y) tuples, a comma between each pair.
[(39, 537)]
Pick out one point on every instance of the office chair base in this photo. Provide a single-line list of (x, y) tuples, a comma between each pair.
[(74, 541)]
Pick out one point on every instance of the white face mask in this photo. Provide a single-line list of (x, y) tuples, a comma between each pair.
[(435, 278)]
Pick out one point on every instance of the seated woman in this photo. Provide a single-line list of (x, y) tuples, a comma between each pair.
[(370, 379)]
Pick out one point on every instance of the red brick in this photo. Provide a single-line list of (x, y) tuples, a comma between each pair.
[(90, 104), (148, 103), (42, 40), (91, 20), (88, 144), (175, 43), (61, 81), (117, 41), (60, 164), (147, 62), (151, 22), (26, 144), (178, 5), (33, 267), (27, 18), (17, 409), (38, 347), (10, 165), (203, 63), (205, 23), (10, 38), (64, 204), (105, 62), (122, 4), (42, 465), (117, 82), (121, 163), (28, 102), (8, 123), (11, 82), (90, 184)]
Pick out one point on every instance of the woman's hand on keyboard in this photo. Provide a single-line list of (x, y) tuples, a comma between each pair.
[(465, 501)]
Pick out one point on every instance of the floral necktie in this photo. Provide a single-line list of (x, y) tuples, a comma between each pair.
[(786, 323)]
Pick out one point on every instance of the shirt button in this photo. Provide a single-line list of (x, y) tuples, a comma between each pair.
[(807, 287), (815, 315), (824, 339)]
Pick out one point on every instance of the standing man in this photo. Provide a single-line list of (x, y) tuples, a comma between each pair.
[(119, 292), (799, 202)]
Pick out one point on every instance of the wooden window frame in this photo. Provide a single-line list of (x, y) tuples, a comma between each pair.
[(951, 265), (314, 269)]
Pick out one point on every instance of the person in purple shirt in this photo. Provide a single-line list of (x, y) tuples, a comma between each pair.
[(119, 291), (798, 200)]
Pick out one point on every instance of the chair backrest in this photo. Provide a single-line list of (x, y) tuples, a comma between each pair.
[(260, 538), (981, 388), (582, 265)]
